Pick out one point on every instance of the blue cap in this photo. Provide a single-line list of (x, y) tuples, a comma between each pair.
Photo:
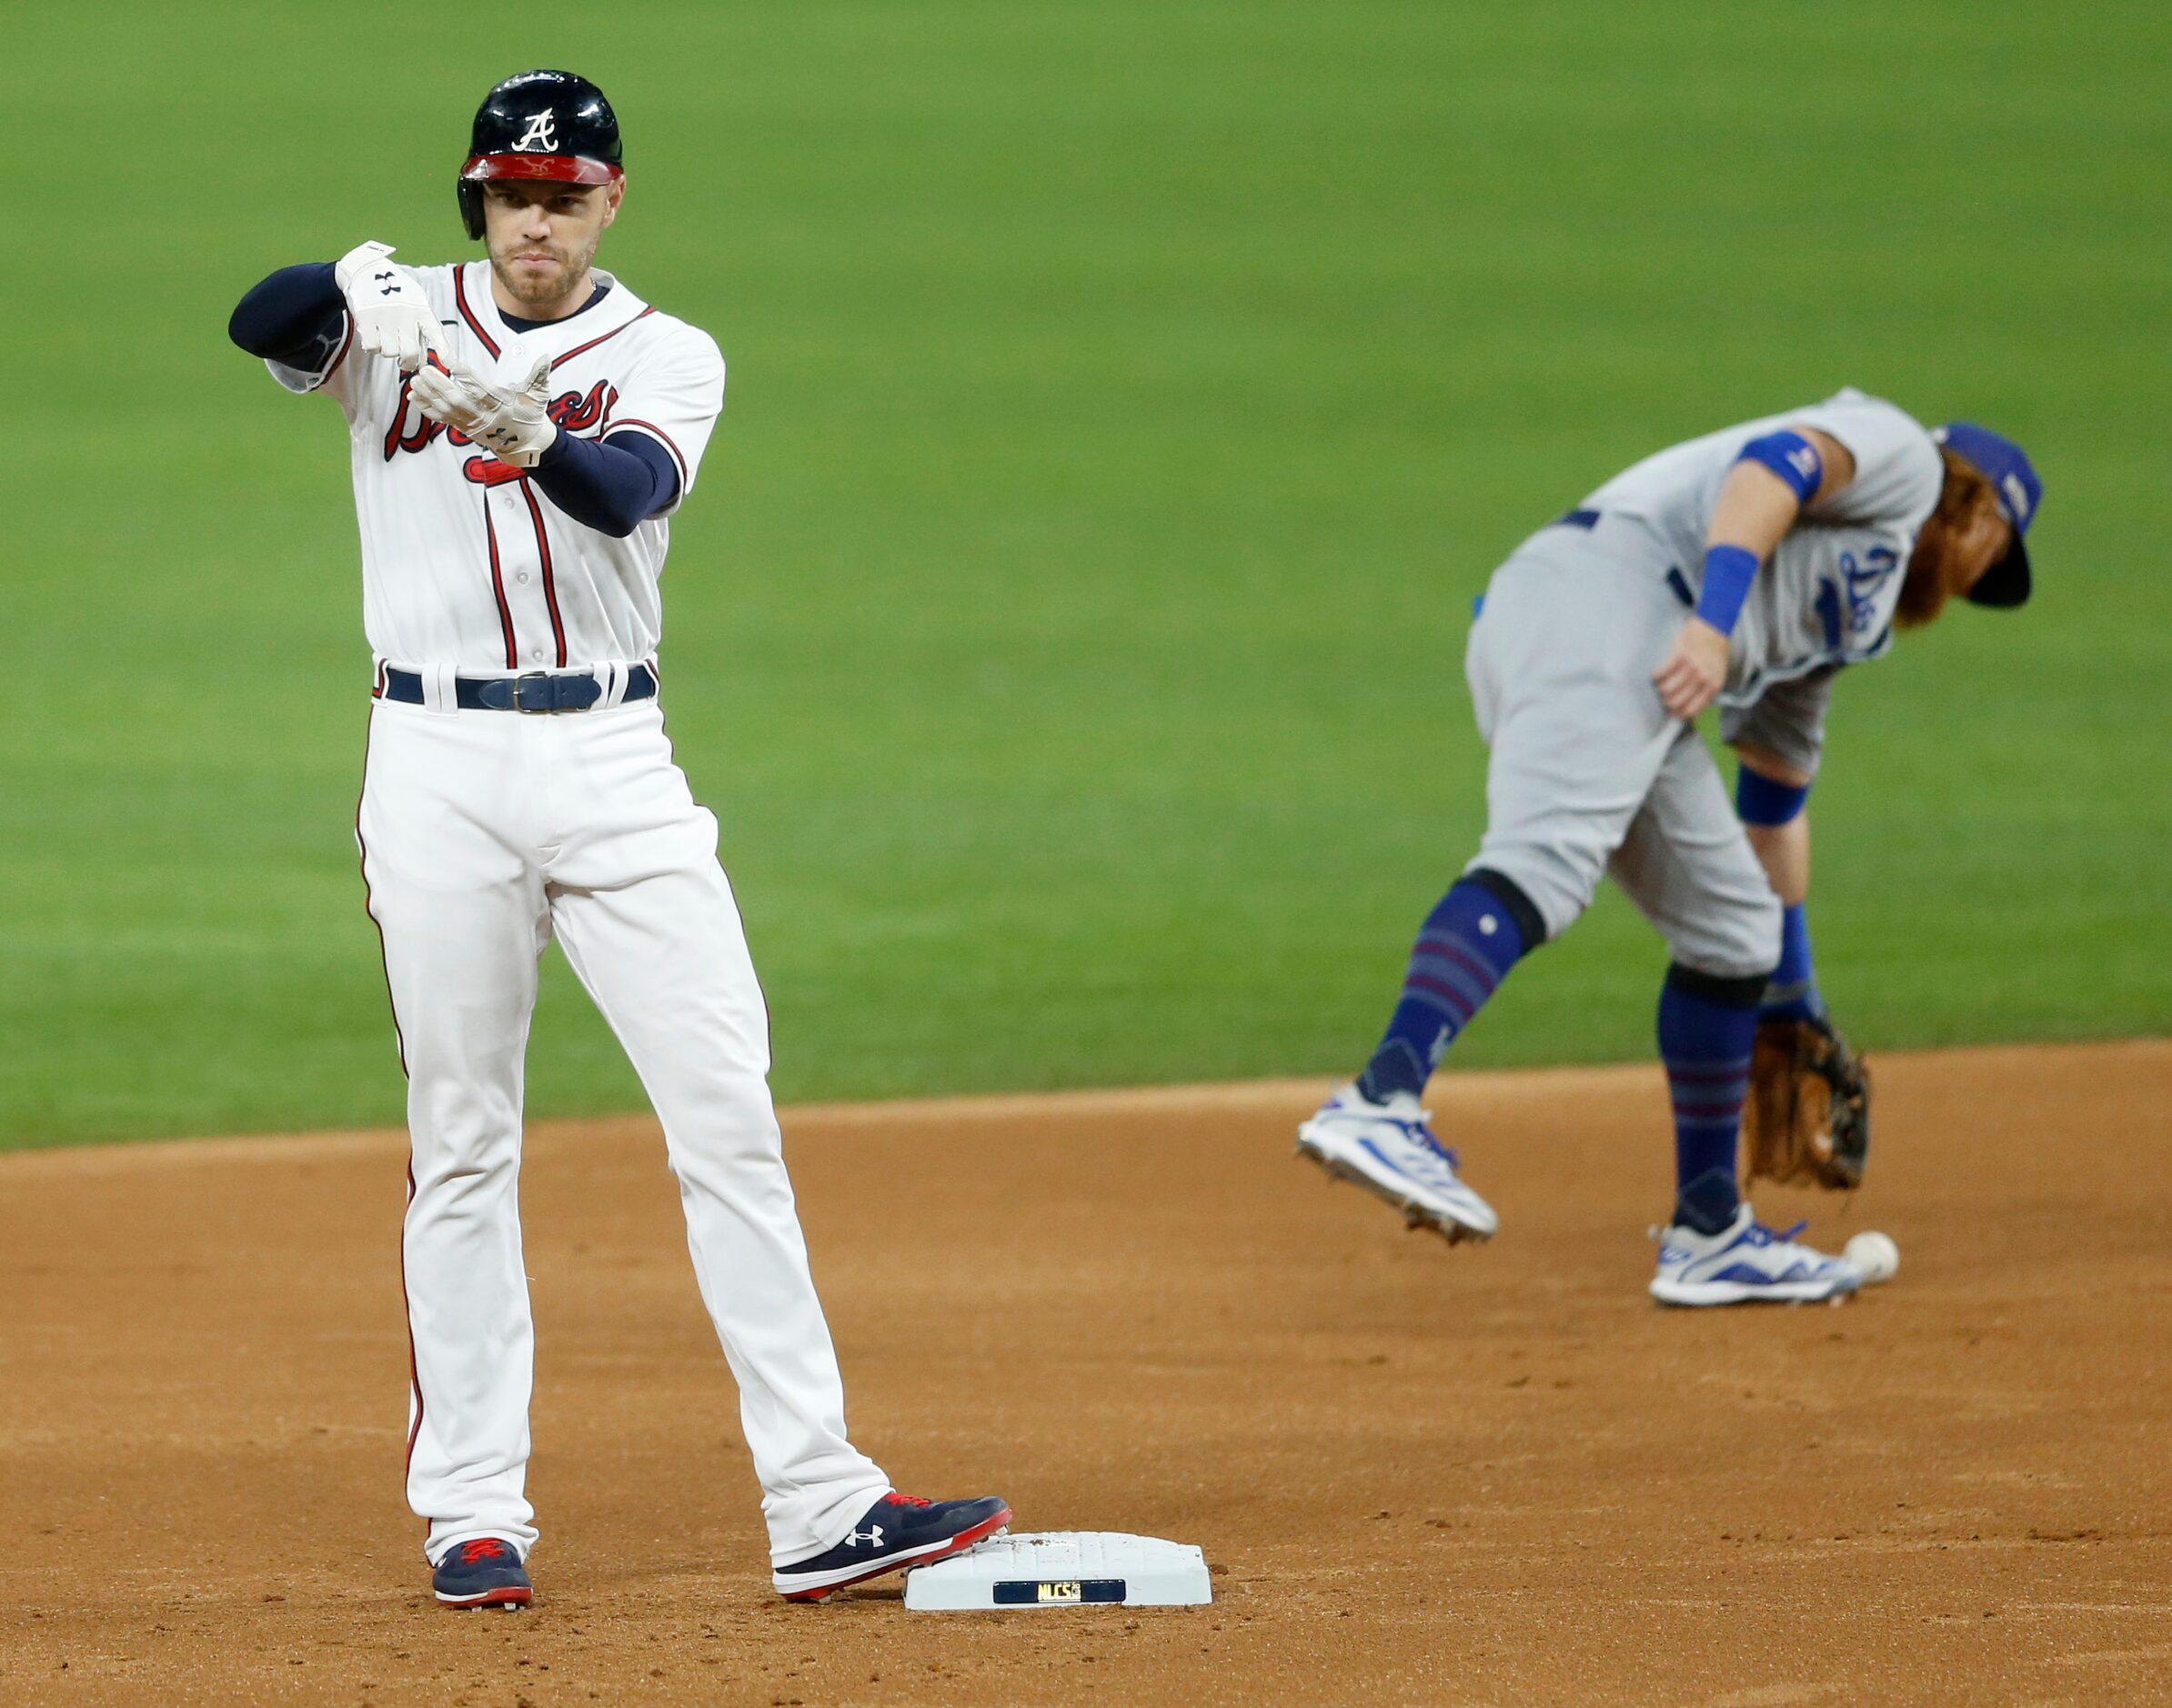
[(2014, 478)]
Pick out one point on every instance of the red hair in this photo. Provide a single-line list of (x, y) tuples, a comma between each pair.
[(1935, 569)]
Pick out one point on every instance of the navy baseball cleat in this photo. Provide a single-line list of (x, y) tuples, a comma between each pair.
[(484, 1572), (897, 1531)]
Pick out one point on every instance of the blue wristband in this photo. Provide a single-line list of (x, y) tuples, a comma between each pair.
[(1728, 571), (1761, 801), (1791, 457)]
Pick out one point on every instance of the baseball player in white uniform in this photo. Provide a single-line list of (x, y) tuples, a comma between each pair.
[(1750, 566), (521, 429)]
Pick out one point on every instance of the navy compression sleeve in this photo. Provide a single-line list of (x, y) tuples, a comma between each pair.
[(291, 315), (611, 488)]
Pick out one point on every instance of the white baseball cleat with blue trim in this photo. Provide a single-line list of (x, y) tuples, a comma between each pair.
[(1746, 1263), (1388, 1150)]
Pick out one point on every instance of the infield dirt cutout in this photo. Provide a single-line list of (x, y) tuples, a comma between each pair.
[(1491, 1474)]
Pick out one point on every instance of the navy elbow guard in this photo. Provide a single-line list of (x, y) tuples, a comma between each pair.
[(1791, 457)]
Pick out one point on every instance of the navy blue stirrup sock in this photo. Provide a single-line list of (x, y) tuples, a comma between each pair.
[(1707, 1030), (1480, 929), (1792, 993)]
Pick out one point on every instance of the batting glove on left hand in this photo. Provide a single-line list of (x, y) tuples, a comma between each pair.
[(392, 316), (512, 421)]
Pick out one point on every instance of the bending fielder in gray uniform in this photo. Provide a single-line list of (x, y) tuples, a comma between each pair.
[(1748, 567)]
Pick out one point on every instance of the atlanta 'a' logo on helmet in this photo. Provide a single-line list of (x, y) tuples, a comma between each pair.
[(540, 134)]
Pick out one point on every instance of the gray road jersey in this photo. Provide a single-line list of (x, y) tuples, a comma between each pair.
[(1827, 596)]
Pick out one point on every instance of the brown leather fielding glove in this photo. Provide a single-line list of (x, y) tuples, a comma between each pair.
[(1808, 1115)]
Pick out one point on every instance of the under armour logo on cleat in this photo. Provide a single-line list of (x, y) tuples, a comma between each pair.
[(873, 1538)]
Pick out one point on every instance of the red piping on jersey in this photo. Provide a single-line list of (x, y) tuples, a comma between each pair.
[(560, 361), (346, 344), (656, 432), (468, 314), (550, 590), (497, 587)]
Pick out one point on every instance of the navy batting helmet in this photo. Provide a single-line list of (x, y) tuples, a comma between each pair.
[(540, 125)]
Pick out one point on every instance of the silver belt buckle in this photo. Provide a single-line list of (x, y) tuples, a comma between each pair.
[(520, 700)]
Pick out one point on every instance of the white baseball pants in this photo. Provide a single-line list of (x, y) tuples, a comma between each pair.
[(481, 833)]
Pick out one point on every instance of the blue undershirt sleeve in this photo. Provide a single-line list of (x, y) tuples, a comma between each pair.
[(611, 488), (290, 316)]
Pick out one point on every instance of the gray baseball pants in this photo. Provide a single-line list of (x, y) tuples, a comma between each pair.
[(1588, 773)]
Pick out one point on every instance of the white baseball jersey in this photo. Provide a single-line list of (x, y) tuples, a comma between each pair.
[(1829, 595), (485, 834), (464, 562)]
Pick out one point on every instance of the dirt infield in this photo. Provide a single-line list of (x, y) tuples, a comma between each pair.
[(1488, 1475)]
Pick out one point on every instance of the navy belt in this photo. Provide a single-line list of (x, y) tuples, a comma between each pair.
[(1584, 519), (538, 691)]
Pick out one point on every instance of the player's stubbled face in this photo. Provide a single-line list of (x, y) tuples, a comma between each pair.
[(542, 235)]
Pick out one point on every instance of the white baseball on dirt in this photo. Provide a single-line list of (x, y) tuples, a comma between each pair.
[(1875, 1256)]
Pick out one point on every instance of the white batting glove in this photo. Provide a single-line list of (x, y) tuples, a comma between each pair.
[(510, 419), (392, 317)]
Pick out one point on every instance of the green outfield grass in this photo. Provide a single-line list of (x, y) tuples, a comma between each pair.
[(1127, 400)]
